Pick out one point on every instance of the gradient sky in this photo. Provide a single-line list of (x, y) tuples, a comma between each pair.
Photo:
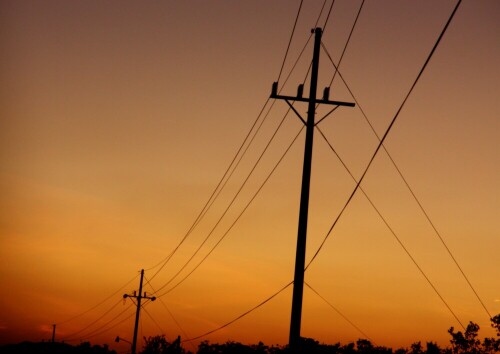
[(118, 119)]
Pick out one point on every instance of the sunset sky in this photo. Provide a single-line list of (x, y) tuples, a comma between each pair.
[(119, 118)]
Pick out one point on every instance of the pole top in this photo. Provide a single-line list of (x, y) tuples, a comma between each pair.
[(316, 30)]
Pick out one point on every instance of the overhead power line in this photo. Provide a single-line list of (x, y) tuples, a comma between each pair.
[(227, 208), (380, 145), (221, 184), (169, 312), (395, 236), (320, 13), (99, 304), (357, 186), (239, 216), (95, 334), (347, 43), (410, 189), (103, 328), (290, 40), (338, 311), (328, 16), (285, 115), (240, 316), (212, 196), (74, 334)]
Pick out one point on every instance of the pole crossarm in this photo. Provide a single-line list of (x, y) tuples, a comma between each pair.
[(304, 99)]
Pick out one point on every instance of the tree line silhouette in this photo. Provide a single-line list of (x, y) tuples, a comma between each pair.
[(466, 342)]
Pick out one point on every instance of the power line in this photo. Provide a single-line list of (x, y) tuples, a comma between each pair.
[(420, 205), (93, 322), (240, 316), (169, 312), (240, 188), (358, 184), (218, 188), (152, 319), (223, 215), (328, 16), (207, 204), (206, 256), (290, 41), (320, 13), (380, 145), (239, 216), (98, 331), (338, 311), (390, 125), (395, 236), (109, 328), (227, 208), (347, 42), (99, 304)]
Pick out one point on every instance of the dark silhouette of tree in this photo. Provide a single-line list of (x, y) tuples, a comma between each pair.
[(160, 345), (432, 348), (54, 348), (495, 323), (466, 342), (492, 345)]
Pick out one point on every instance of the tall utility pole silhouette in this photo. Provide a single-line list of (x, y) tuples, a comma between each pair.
[(139, 298), (298, 282)]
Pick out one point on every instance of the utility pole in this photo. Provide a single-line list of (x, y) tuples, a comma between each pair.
[(139, 297), (53, 333), (298, 282)]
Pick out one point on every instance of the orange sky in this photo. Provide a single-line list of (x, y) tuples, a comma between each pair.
[(118, 119)]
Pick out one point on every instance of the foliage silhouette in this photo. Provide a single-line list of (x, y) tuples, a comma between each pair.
[(160, 345), (54, 348), (466, 342)]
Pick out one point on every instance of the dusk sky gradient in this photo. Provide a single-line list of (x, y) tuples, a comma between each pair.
[(118, 118)]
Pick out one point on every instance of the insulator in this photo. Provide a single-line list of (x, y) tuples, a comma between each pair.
[(300, 90)]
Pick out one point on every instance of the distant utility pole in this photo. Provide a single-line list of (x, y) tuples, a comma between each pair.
[(53, 333), (139, 298), (298, 283)]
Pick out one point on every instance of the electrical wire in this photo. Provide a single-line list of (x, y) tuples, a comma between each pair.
[(257, 191), (99, 304), (240, 316), (290, 41), (420, 205), (109, 328), (97, 330), (338, 311), (93, 322), (381, 142), (328, 16), (218, 188), (206, 256), (152, 319), (227, 208), (239, 216), (320, 13), (395, 236), (346, 43), (390, 125), (203, 211), (357, 186), (170, 313)]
